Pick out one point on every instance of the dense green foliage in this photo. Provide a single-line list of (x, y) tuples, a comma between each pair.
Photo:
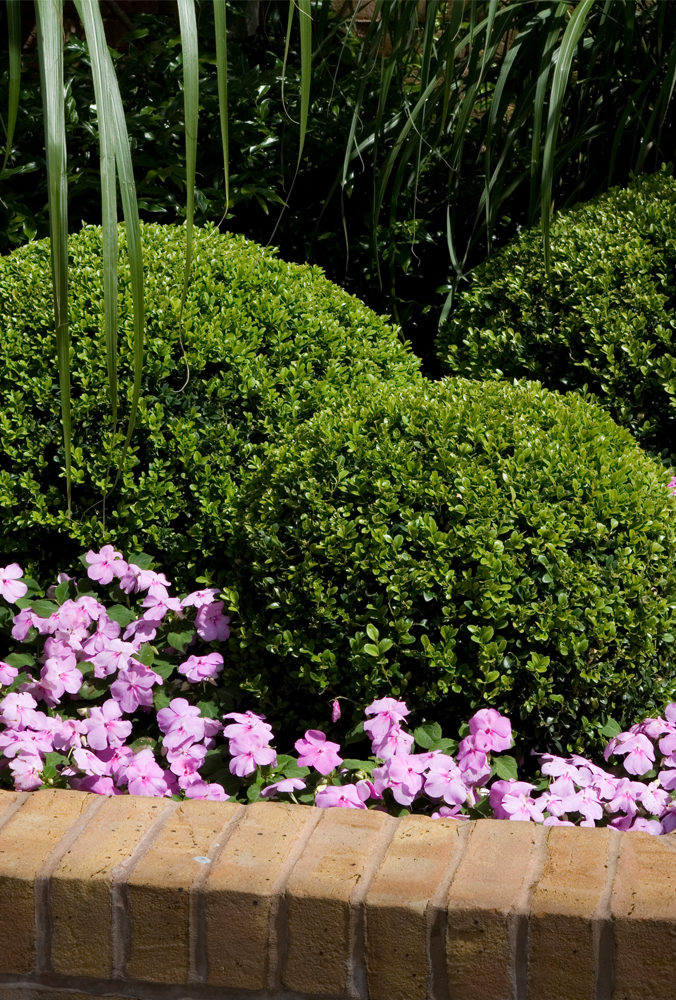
[(606, 319), (263, 345), (460, 544), (424, 190)]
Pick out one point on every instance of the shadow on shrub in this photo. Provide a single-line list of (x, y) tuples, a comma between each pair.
[(460, 545), (607, 320)]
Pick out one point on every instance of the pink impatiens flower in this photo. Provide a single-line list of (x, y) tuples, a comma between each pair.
[(200, 668), (11, 587), (211, 623), (106, 565), (491, 731), (314, 750), (341, 796)]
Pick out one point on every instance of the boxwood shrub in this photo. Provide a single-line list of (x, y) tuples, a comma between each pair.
[(607, 318), (460, 544), (263, 345)]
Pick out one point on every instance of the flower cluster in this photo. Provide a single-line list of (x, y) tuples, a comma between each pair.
[(100, 705)]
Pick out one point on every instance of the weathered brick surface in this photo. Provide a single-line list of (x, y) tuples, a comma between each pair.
[(242, 893), (336, 903), (487, 895), (81, 896), (159, 887), (398, 925), (27, 839), (318, 896), (561, 954), (643, 907)]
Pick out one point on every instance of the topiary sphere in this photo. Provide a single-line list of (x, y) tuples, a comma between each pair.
[(263, 344), (605, 318), (460, 545)]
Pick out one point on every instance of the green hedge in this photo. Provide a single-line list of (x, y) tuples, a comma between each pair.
[(607, 320), (460, 545), (266, 344)]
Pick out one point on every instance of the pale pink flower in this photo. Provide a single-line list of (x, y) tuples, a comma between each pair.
[(7, 673), (339, 796), (314, 750), (11, 587), (211, 623), (200, 598), (200, 668), (106, 565)]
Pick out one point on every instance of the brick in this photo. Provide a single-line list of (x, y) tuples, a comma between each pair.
[(26, 841), (158, 891), (487, 893), (398, 926), (643, 909), (242, 892), (319, 893), (81, 886), (562, 960)]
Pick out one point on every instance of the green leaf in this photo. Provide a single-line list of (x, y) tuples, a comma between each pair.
[(371, 650), (569, 42), (50, 49), (44, 608), (372, 633), (611, 729), (186, 13), (506, 767), (427, 735), (20, 660), (180, 640), (220, 30), (145, 655), (62, 591), (164, 668), (14, 38), (120, 614)]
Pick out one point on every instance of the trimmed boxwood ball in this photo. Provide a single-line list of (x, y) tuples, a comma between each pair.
[(607, 318), (262, 346), (460, 545)]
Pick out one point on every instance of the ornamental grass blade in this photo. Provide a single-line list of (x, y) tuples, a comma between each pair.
[(188, 25), (98, 53), (50, 50), (566, 51), (305, 23), (14, 40), (222, 82)]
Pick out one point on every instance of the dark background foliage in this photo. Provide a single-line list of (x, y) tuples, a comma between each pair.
[(383, 233)]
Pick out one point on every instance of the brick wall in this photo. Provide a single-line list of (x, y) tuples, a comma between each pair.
[(157, 900)]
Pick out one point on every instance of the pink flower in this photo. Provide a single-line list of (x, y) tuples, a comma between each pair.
[(341, 796), (671, 485), (27, 772), (285, 785), (335, 710), (247, 722), (7, 673), (249, 754), (105, 565), (199, 668), (145, 776), (491, 731), (403, 775), (158, 603), (133, 687), (23, 622), (318, 752), (211, 623), (444, 780), (200, 598), (394, 743), (10, 587), (105, 727)]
